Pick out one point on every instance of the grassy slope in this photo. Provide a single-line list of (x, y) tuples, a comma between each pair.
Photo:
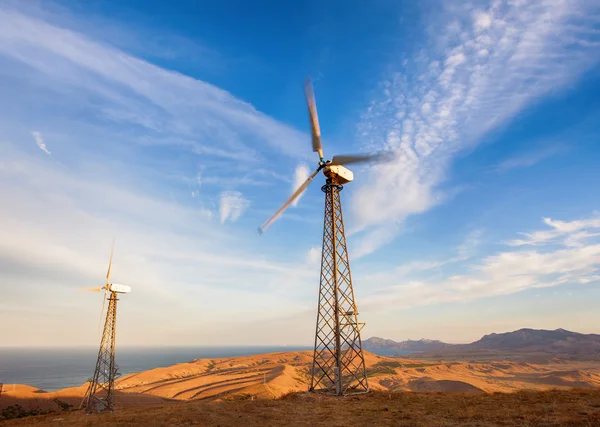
[(548, 408)]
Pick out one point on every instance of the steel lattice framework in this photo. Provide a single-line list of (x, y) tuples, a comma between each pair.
[(338, 362), (100, 395)]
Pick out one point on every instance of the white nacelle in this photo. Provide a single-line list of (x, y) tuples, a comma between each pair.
[(343, 175), (121, 289)]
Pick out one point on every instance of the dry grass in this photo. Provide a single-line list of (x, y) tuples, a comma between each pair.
[(525, 408)]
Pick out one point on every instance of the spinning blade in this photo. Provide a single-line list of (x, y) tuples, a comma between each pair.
[(314, 119), (112, 251), (289, 201), (347, 159), (102, 311)]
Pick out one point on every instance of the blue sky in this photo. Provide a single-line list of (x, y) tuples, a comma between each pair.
[(180, 127)]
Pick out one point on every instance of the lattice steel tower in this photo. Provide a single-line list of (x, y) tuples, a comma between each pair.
[(338, 362), (100, 395)]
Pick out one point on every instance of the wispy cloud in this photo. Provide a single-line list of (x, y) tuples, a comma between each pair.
[(469, 247), (463, 252), (144, 149), (485, 66), (171, 107), (300, 175), (40, 142), (232, 205), (509, 271), (165, 251), (313, 256), (528, 159), (567, 233)]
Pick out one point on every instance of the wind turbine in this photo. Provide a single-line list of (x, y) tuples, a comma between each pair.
[(100, 395), (338, 361)]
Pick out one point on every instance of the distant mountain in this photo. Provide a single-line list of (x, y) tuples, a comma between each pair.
[(383, 346), (559, 341)]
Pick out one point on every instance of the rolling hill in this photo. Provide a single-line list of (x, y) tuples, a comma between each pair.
[(490, 365), (273, 375)]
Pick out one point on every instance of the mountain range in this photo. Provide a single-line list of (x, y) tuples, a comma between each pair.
[(385, 347), (559, 341)]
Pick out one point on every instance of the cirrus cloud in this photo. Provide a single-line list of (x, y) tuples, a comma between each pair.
[(232, 204), (40, 142), (556, 262), (490, 63)]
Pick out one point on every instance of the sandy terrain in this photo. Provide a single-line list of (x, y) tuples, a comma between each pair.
[(270, 376)]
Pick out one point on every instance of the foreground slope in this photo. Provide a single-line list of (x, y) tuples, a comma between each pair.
[(272, 375), (549, 408)]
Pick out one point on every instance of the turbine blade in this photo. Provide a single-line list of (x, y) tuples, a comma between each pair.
[(314, 118), (102, 312), (112, 251), (92, 289), (347, 159), (289, 201)]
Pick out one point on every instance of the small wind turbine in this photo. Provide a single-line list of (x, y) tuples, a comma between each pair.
[(100, 393), (338, 361)]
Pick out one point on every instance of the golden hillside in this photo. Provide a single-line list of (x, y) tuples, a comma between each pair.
[(271, 376)]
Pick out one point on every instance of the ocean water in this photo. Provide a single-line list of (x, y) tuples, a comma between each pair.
[(55, 368)]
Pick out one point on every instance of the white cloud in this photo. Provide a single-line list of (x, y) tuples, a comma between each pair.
[(506, 272), (232, 205), (374, 239), (133, 139), (567, 233), (468, 248), (172, 255), (40, 142), (463, 252), (300, 175), (468, 81), (173, 108), (528, 159), (313, 256), (572, 226), (482, 21)]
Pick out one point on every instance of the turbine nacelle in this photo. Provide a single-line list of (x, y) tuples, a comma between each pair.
[(120, 289), (338, 174)]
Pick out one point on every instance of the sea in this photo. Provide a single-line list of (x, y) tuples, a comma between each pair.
[(51, 369)]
